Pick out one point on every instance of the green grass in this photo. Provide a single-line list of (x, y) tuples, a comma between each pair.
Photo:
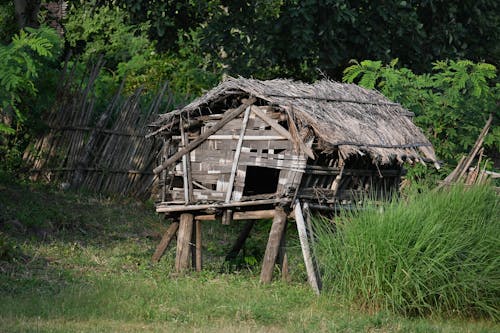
[(86, 268), (434, 253)]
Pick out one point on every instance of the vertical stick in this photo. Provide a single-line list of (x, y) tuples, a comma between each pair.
[(167, 237), (304, 244), (183, 242), (186, 166), (198, 246), (273, 245)]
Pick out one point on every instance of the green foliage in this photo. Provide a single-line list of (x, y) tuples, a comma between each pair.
[(92, 31), (20, 64), (191, 71), (435, 253), (293, 38), (451, 103)]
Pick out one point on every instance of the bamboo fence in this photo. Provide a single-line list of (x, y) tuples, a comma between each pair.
[(98, 150)]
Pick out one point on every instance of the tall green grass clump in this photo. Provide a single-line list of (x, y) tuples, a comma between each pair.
[(434, 253)]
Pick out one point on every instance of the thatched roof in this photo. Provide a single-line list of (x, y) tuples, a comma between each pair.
[(345, 116)]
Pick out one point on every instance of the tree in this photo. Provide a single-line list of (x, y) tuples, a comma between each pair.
[(293, 38)]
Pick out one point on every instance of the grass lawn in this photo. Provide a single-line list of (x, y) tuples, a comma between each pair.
[(81, 263)]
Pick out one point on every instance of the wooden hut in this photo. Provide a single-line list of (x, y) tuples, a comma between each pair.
[(251, 149)]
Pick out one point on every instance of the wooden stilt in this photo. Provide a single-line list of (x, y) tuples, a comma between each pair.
[(273, 245), (198, 247), (242, 237), (183, 242), (304, 244), (167, 237)]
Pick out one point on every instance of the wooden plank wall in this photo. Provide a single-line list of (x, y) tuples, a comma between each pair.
[(262, 146)]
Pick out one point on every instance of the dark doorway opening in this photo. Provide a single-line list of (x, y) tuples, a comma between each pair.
[(260, 180)]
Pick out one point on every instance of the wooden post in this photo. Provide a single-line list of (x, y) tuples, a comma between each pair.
[(273, 245), (242, 237), (198, 247), (184, 242), (167, 237), (304, 244)]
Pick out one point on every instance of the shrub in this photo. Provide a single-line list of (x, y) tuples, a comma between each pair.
[(437, 253)]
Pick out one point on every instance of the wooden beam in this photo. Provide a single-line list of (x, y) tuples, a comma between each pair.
[(273, 245), (183, 242), (281, 130), (304, 244), (165, 240), (293, 128), (195, 143), (277, 127), (182, 208)]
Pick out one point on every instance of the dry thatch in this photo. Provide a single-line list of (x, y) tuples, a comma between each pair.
[(346, 117)]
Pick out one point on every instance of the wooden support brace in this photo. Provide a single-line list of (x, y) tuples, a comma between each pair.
[(273, 245), (184, 242), (306, 251), (167, 237)]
